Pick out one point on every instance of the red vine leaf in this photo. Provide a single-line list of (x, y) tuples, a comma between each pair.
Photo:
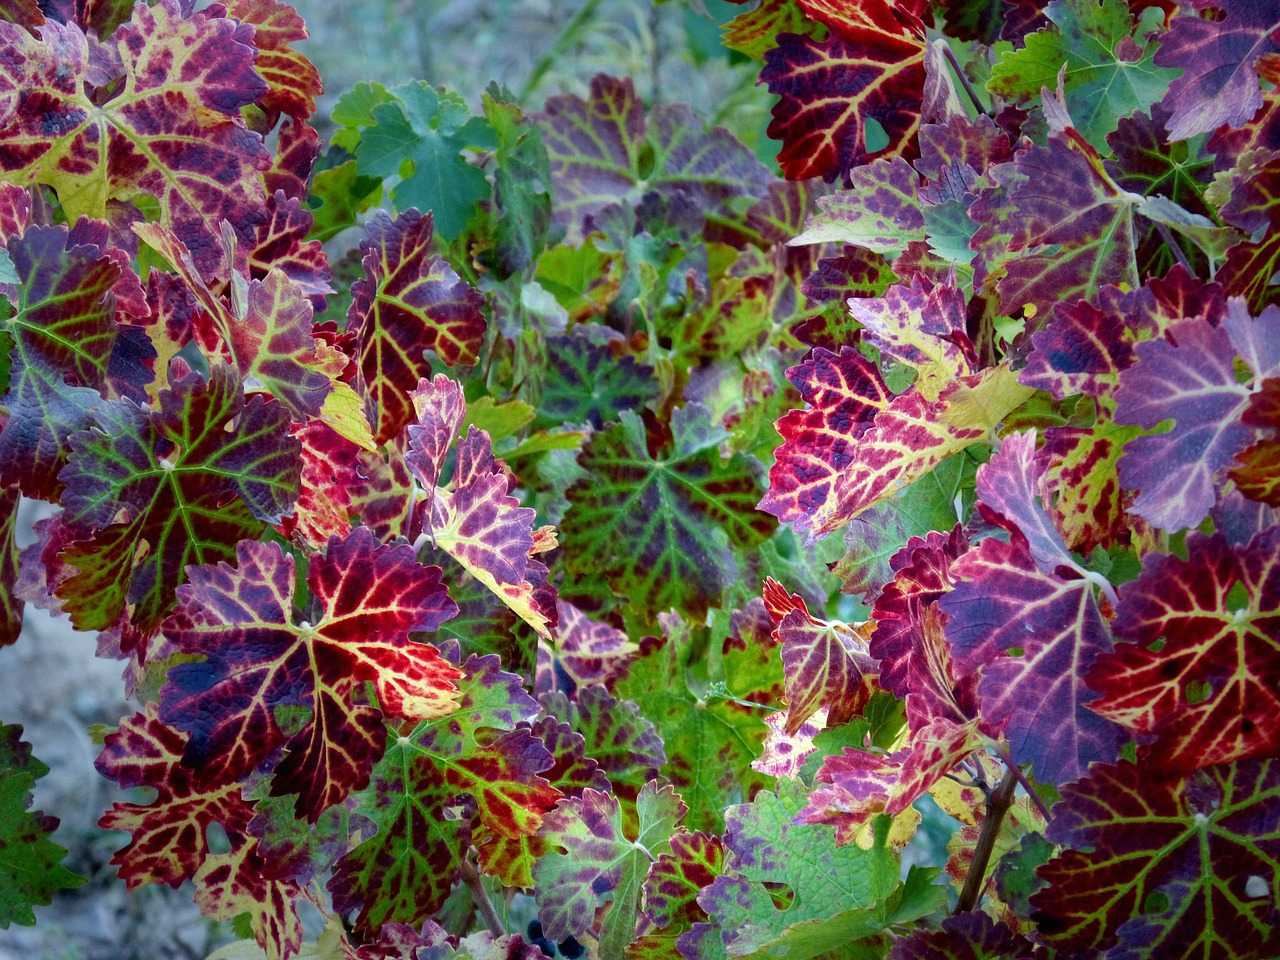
[(1201, 665), (240, 618), (172, 131), (408, 301), (871, 68)]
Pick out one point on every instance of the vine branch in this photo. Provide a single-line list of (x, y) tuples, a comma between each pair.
[(998, 804), (481, 896)]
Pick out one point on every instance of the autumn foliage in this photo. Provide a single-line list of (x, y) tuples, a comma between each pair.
[(565, 500)]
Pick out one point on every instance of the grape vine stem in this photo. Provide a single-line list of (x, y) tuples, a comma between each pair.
[(481, 896), (998, 804)]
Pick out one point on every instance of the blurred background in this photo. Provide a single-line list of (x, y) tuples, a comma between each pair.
[(50, 681)]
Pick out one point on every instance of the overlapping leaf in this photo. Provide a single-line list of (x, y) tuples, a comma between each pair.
[(169, 842), (1160, 865), (879, 212), (1109, 69), (1219, 82), (605, 151), (587, 383), (427, 128), (871, 68), (709, 742), (907, 438), (150, 492), (292, 80), (826, 663), (1190, 377), (1201, 664), (32, 863), (618, 736), (171, 133), (662, 530), (837, 895), (433, 787), (257, 659), (1064, 228), (409, 301), (599, 859), (57, 335), (264, 332), (1026, 615)]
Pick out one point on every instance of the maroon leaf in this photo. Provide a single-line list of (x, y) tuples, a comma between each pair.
[(1219, 83), (1190, 377), (869, 70), (1201, 667), (257, 659), (1033, 635), (408, 301)]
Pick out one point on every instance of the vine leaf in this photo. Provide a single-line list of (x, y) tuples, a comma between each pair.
[(151, 492), (168, 836), (265, 332), (599, 859), (292, 80), (854, 465), (408, 301), (1219, 82), (604, 151), (709, 742), (474, 521), (1108, 73), (879, 212), (58, 332), (256, 659), (1138, 840), (837, 894), (1189, 376), (825, 663), (662, 529), (1208, 691), (470, 770), (870, 68), (417, 124), (1026, 615), (33, 869), (172, 131), (1064, 226)]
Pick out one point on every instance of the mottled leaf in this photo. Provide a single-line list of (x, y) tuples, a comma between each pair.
[(1190, 377), (1140, 842), (264, 332), (57, 334), (1201, 663), (171, 134), (150, 492), (880, 211), (369, 598), (830, 91), (1109, 71), (1033, 635), (409, 301), (1219, 82), (469, 770), (599, 859), (662, 530), (292, 80), (605, 151)]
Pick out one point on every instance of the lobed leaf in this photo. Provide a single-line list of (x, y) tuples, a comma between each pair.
[(32, 863), (369, 598), (151, 492)]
